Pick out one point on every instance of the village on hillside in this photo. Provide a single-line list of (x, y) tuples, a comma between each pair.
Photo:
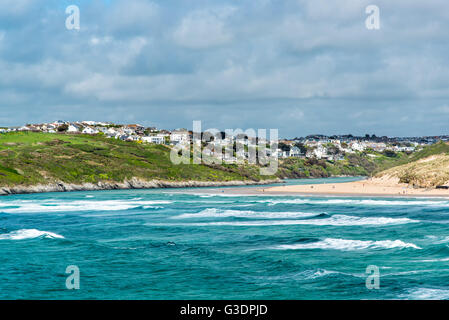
[(330, 148)]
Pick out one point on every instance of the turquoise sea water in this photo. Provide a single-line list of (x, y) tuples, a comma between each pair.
[(161, 244)]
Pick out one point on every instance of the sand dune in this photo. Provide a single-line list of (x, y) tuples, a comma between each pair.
[(425, 173)]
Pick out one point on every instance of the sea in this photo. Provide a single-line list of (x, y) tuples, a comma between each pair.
[(200, 244)]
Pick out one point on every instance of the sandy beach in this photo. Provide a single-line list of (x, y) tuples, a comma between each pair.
[(384, 186), (373, 187)]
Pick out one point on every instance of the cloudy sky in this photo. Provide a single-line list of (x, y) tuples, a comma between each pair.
[(302, 66)]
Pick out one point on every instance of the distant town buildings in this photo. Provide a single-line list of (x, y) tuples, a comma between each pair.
[(330, 148)]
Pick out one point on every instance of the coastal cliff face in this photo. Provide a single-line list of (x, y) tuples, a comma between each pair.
[(134, 183)]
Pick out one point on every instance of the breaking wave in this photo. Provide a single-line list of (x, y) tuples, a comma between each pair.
[(426, 294), (335, 220), (220, 213), (348, 245), (29, 234), (364, 202), (82, 205)]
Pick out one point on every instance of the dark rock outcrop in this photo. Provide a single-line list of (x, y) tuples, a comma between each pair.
[(134, 183)]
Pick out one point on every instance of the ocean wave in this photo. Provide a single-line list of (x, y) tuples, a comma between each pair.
[(153, 207), (348, 245), (29, 234), (335, 220), (82, 205), (435, 260), (426, 294), (222, 213), (314, 274), (226, 195), (310, 274), (438, 240)]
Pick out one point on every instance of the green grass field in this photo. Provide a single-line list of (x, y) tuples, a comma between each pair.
[(33, 158)]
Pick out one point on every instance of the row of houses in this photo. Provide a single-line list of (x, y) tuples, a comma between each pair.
[(129, 132), (334, 149), (320, 147)]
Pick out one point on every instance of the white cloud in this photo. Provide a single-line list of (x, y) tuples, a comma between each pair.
[(204, 28), (311, 60), (134, 15), (15, 7)]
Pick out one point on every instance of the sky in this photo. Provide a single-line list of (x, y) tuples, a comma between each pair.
[(302, 67)]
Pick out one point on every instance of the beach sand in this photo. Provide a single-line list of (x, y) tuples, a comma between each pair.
[(373, 187), (384, 186)]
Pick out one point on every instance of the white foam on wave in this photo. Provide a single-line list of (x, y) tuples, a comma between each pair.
[(426, 294), (348, 245), (365, 202), (436, 260), (226, 195), (81, 205), (314, 274), (153, 207), (23, 234), (222, 213), (302, 275), (335, 220)]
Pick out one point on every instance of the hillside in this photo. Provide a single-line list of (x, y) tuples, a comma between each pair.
[(28, 159), (425, 173), (427, 169), (357, 164)]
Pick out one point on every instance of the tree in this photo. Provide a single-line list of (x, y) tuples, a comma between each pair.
[(389, 153), (284, 147), (63, 128), (301, 147), (333, 150)]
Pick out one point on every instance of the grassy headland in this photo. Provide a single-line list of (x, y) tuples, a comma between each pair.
[(28, 159), (43, 158)]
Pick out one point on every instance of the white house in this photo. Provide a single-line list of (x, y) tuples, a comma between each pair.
[(157, 139), (111, 131), (179, 136), (279, 153), (357, 146), (24, 128), (295, 152), (319, 152), (73, 128), (94, 123), (89, 130)]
